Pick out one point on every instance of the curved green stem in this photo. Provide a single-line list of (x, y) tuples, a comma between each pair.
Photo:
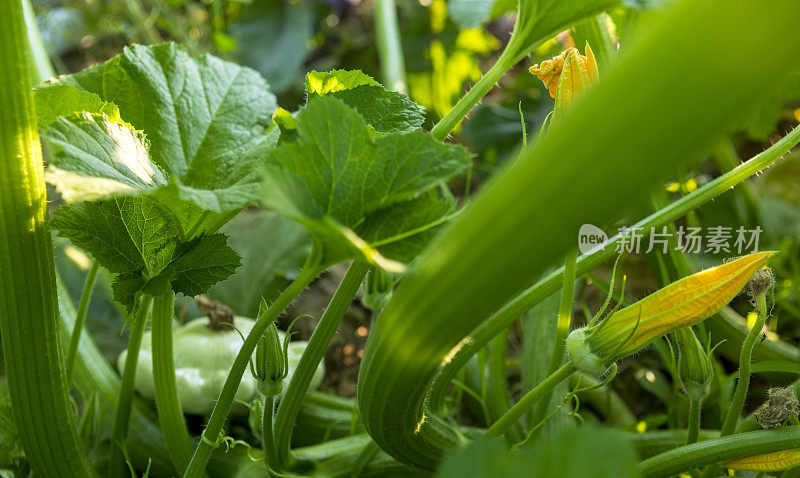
[(292, 399), (743, 384), (213, 430), (122, 418), (390, 48), (562, 328), (168, 405), (453, 117), (28, 300), (530, 399), (498, 399), (80, 318), (695, 407), (507, 314), (684, 458)]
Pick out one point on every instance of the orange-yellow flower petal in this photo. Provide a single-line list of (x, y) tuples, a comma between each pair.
[(778, 460)]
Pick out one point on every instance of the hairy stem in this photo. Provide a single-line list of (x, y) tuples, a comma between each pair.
[(213, 430), (453, 117), (80, 318), (170, 414), (28, 300), (117, 466), (695, 407), (530, 399), (743, 383), (292, 399)]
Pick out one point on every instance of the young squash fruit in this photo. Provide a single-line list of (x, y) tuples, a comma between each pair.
[(204, 354)]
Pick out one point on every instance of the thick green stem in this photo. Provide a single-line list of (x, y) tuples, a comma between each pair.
[(28, 300), (530, 399), (170, 414), (743, 384), (695, 407), (390, 48), (213, 431), (80, 318), (117, 465), (315, 351), (678, 460), (507, 314), (562, 327)]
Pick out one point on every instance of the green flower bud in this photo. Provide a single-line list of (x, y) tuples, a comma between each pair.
[(581, 355), (271, 362), (695, 369)]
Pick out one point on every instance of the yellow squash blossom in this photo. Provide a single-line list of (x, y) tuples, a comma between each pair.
[(681, 304), (567, 76)]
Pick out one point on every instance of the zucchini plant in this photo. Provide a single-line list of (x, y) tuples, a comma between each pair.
[(152, 152)]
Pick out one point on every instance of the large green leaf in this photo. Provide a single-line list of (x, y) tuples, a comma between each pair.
[(206, 121), (599, 160), (155, 151), (340, 181)]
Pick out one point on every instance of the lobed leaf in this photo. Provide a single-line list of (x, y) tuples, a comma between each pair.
[(386, 111), (155, 151), (340, 182)]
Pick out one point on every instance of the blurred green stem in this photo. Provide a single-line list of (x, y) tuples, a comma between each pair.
[(390, 47), (44, 69), (140, 22), (80, 318)]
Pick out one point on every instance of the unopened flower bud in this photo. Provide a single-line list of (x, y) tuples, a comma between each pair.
[(271, 365), (681, 304), (695, 369)]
